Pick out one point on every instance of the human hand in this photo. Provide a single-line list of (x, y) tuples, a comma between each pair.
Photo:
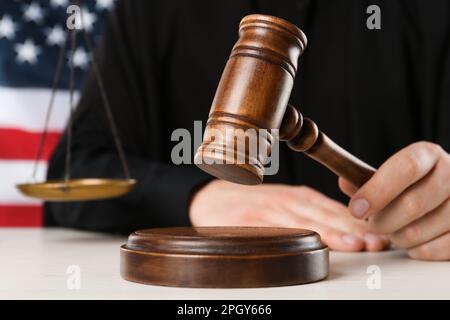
[(408, 198), (222, 203)]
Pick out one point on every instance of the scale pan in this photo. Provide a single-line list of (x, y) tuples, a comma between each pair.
[(77, 189)]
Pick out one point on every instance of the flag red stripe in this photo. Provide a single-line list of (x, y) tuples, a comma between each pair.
[(20, 216), (23, 145)]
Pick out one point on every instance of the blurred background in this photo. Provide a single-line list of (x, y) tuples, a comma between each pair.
[(32, 33)]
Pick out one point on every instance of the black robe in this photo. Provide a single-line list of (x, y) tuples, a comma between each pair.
[(372, 91)]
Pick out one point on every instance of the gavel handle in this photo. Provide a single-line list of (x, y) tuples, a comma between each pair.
[(340, 161), (303, 135)]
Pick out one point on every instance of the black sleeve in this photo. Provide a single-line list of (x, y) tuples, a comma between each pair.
[(128, 63)]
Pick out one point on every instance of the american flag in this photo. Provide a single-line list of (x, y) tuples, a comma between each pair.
[(31, 35)]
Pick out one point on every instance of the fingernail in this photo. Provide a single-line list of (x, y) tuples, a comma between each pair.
[(359, 207), (351, 240), (372, 239)]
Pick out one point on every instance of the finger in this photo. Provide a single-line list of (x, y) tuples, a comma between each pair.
[(386, 241), (323, 201), (324, 210), (346, 187), (374, 242), (316, 198), (398, 173), (435, 250), (335, 208), (338, 240), (335, 239), (431, 226), (419, 199)]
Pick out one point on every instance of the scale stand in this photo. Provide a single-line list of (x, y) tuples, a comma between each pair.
[(69, 189)]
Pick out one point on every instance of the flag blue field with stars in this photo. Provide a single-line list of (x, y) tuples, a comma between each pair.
[(32, 33)]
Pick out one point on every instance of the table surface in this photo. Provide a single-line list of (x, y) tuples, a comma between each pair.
[(35, 264)]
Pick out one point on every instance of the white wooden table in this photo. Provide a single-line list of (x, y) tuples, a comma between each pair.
[(34, 265)]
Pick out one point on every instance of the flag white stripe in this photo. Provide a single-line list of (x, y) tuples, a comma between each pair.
[(26, 108), (14, 172)]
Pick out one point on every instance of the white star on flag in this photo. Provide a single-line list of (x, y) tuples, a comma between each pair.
[(104, 4), (88, 19), (80, 58), (33, 12), (27, 52), (59, 3), (7, 28), (56, 36)]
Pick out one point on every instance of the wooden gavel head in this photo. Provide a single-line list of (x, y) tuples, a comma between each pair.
[(251, 98)]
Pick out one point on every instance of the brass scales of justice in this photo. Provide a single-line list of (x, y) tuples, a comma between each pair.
[(68, 189), (262, 68)]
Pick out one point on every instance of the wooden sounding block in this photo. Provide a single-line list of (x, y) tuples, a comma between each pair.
[(224, 257)]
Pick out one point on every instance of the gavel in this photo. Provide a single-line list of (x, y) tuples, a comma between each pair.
[(253, 95)]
